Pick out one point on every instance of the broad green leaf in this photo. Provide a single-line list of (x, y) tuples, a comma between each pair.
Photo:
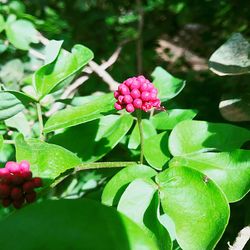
[(156, 150), (2, 23), (1, 141), (115, 187), (92, 140), (47, 161), (139, 203), (61, 70), (193, 136), (72, 224), (79, 100), (230, 170), (21, 33), (196, 205), (19, 122), (168, 120), (76, 115), (167, 85), (232, 58), (148, 130), (52, 50), (11, 103), (3, 46)]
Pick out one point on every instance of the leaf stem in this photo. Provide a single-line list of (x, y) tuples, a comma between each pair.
[(139, 120), (9, 142), (40, 120)]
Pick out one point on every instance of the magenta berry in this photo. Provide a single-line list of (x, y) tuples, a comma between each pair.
[(28, 186), (12, 166), (16, 193), (31, 197), (137, 93), (24, 166), (37, 182), (4, 190)]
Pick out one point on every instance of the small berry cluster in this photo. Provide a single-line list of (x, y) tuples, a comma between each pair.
[(17, 184), (137, 93)]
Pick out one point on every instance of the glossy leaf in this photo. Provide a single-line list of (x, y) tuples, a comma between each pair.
[(115, 187), (76, 115), (230, 170), (168, 120), (64, 67), (72, 223), (148, 131), (21, 33), (232, 58), (47, 161), (196, 205), (167, 85), (193, 136), (52, 50), (92, 140), (156, 150)]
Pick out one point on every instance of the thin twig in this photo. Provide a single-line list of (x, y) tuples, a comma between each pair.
[(139, 120), (241, 239), (40, 120), (9, 142)]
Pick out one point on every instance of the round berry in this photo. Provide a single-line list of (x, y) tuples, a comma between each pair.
[(116, 94), (17, 179), (127, 99), (123, 89), (137, 103), (12, 166), (118, 106), (37, 182), (146, 106), (128, 81), (144, 86), (26, 176), (31, 197), (16, 193), (135, 85), (153, 96), (135, 93), (24, 166), (18, 203), (28, 186), (145, 96), (154, 90), (141, 79), (6, 202), (150, 86), (4, 190), (130, 108), (120, 99), (4, 173)]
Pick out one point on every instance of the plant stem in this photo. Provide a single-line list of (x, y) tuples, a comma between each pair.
[(9, 142), (139, 120), (40, 120)]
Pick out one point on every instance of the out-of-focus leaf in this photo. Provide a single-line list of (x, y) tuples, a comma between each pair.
[(148, 131), (1, 141), (167, 85), (2, 23), (193, 136), (47, 161), (230, 170), (115, 187), (21, 33), (92, 140), (76, 115), (232, 58), (196, 205), (61, 69), (72, 224), (167, 120)]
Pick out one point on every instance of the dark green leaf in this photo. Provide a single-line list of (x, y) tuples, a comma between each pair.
[(2, 23), (196, 205)]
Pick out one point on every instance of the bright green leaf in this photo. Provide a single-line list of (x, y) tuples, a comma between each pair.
[(156, 150), (115, 187), (1, 141), (52, 50), (47, 161), (76, 115), (232, 58), (92, 140), (196, 205), (230, 170), (168, 120), (72, 224), (167, 85), (62, 69), (21, 33), (148, 130), (193, 136)]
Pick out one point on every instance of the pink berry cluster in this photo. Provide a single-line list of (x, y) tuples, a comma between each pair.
[(17, 184), (137, 93)]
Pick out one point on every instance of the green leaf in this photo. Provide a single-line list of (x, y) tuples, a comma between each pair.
[(92, 140), (52, 50), (76, 115), (2, 23), (168, 120), (230, 170), (232, 58), (148, 130), (1, 141), (167, 85), (115, 187), (47, 161), (72, 224), (21, 33), (11, 103), (62, 69), (196, 205), (156, 150), (193, 136), (140, 203)]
